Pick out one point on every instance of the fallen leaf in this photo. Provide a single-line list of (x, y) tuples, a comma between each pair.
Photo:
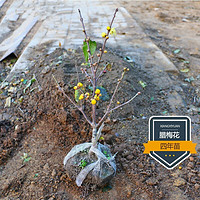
[(25, 81), (189, 79), (4, 84), (12, 89), (186, 61), (185, 70), (8, 102), (143, 84), (177, 51), (29, 83), (165, 112), (109, 67)]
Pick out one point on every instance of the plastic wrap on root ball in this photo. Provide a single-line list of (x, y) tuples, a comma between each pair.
[(98, 168)]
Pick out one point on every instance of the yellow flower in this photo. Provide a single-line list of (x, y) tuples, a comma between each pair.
[(81, 97), (118, 102), (22, 80), (75, 87), (113, 31), (108, 28), (80, 84), (107, 37), (97, 91), (103, 34), (105, 51), (87, 94), (96, 97), (93, 102)]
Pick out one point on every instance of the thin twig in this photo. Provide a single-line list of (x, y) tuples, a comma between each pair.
[(79, 108), (101, 73), (92, 69), (111, 100), (87, 41), (104, 44), (87, 76), (125, 102), (117, 108)]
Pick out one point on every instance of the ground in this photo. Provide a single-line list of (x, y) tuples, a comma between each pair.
[(46, 126)]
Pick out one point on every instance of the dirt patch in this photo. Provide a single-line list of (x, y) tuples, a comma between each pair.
[(45, 126)]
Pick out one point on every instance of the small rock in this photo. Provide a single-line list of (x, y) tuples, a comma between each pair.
[(192, 180), (196, 186), (125, 165), (107, 120), (190, 174), (129, 157), (46, 167), (115, 120), (118, 149), (191, 158), (179, 182), (46, 70), (126, 153), (12, 89), (190, 165), (53, 174), (129, 194), (140, 165), (152, 181), (16, 127)]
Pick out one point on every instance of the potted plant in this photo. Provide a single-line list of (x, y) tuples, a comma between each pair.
[(93, 162)]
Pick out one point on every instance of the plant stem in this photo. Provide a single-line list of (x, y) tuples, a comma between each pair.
[(87, 41), (104, 44), (108, 108), (108, 111), (79, 108), (92, 70), (125, 102)]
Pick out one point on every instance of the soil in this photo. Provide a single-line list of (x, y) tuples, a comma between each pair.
[(45, 126)]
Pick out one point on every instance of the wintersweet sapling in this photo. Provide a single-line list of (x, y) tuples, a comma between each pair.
[(93, 72)]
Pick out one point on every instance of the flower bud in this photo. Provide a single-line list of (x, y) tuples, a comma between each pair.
[(108, 28), (93, 101), (103, 34), (81, 97), (80, 84), (97, 91)]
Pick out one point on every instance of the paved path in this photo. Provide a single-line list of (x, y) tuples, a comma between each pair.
[(50, 22)]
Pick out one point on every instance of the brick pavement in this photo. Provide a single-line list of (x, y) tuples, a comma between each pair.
[(58, 21)]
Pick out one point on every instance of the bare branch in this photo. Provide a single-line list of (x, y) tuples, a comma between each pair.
[(111, 100), (92, 69), (101, 73), (87, 75), (104, 44), (125, 102), (118, 107), (79, 108), (87, 41)]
